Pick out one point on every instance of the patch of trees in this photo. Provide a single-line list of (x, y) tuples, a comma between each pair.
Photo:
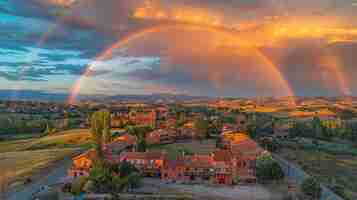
[(13, 125), (140, 133), (106, 177), (268, 169), (325, 130), (201, 128), (311, 188)]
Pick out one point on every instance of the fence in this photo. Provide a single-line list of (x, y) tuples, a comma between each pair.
[(298, 175)]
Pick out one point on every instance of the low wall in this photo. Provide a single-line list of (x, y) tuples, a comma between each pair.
[(139, 197)]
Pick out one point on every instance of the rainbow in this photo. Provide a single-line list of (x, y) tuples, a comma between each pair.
[(333, 63), (229, 35), (42, 40)]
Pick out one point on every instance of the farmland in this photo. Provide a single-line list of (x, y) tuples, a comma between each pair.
[(328, 163), (66, 139), (21, 159)]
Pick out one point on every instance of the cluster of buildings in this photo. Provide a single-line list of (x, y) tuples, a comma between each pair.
[(234, 160)]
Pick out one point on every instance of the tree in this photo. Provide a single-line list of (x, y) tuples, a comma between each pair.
[(316, 127), (125, 168), (311, 188), (100, 129), (252, 131), (140, 133), (201, 128), (268, 169), (50, 130)]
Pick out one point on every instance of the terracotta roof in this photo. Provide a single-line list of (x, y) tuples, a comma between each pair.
[(129, 139), (198, 161), (173, 163), (222, 156), (91, 154)]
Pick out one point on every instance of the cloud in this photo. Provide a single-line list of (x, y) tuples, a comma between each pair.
[(57, 40)]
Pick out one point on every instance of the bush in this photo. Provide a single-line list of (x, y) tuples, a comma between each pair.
[(268, 169), (78, 185), (311, 187)]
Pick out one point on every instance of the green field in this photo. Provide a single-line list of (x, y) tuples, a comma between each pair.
[(327, 167), (191, 147)]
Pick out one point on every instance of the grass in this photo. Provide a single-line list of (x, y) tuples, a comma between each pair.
[(191, 147), (66, 139), (17, 166), (326, 167), (23, 158)]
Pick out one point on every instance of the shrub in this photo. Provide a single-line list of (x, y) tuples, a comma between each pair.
[(236, 180), (268, 169), (311, 187), (78, 185)]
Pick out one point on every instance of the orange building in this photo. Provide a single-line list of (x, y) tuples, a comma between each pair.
[(82, 164), (144, 118), (215, 168), (161, 136)]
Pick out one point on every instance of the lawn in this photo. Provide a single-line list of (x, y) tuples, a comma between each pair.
[(66, 139), (17, 166), (326, 167), (191, 147)]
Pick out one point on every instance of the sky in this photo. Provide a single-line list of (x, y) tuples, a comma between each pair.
[(195, 47)]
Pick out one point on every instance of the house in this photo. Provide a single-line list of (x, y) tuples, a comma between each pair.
[(130, 140), (215, 168), (187, 131), (245, 150), (225, 166), (168, 123), (148, 163), (228, 128), (119, 117), (161, 136), (162, 112), (144, 118), (82, 164)]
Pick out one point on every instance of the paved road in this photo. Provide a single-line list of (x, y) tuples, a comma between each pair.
[(51, 178)]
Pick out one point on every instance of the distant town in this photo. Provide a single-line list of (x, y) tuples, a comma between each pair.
[(226, 148)]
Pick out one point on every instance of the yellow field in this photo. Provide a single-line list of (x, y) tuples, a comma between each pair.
[(66, 139)]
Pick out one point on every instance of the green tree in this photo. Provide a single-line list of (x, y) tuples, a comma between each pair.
[(140, 133), (50, 130), (316, 127), (125, 169), (201, 128), (100, 129), (311, 188), (252, 130), (268, 169)]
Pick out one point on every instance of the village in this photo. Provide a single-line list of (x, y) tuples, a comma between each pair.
[(235, 158), (221, 149)]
